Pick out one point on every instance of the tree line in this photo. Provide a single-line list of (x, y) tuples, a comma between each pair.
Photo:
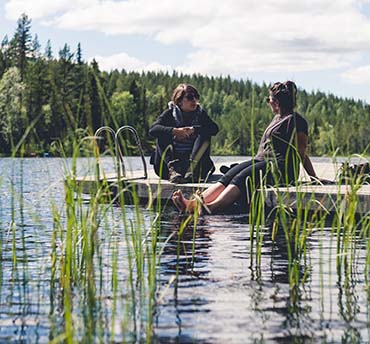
[(46, 99)]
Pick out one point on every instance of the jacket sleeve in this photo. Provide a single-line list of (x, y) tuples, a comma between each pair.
[(162, 125), (208, 126)]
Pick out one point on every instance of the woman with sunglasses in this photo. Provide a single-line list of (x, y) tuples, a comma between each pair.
[(183, 134), (282, 147)]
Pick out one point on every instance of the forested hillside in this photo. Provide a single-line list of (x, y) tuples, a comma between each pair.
[(47, 98)]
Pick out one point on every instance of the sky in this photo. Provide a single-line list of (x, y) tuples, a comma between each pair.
[(322, 45)]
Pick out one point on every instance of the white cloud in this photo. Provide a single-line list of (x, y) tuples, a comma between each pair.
[(226, 36), (42, 8), (243, 62), (360, 75), (124, 61)]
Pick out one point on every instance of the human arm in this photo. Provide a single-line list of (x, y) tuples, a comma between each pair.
[(163, 126), (302, 138), (302, 150), (207, 126)]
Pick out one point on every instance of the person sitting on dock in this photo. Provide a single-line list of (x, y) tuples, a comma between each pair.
[(183, 134), (282, 147)]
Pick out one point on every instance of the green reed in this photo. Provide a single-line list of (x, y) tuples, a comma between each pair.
[(78, 260), (80, 266), (257, 225), (2, 230), (81, 231), (347, 227), (350, 226), (141, 244)]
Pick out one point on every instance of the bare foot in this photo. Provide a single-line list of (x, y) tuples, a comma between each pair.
[(177, 201), (202, 206), (182, 204)]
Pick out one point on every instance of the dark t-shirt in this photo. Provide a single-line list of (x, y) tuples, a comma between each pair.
[(279, 139)]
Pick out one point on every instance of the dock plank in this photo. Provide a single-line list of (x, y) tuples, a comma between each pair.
[(328, 197), (331, 198)]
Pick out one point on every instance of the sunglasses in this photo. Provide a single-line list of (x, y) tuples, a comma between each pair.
[(270, 100), (191, 97)]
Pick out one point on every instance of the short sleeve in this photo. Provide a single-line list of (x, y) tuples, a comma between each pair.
[(301, 124)]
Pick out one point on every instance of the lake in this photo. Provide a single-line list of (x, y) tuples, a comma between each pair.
[(93, 272)]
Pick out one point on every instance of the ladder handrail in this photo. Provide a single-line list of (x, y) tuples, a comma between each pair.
[(138, 143), (118, 150)]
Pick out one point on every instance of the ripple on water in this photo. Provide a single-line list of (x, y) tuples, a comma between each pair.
[(221, 294)]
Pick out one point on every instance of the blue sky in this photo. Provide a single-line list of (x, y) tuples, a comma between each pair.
[(320, 44)]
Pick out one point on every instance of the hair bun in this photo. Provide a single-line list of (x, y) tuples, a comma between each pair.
[(291, 86), (282, 88), (285, 92)]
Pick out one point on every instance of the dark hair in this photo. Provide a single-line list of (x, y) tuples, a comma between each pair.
[(285, 93), (180, 91)]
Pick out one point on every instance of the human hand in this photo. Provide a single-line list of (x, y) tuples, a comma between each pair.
[(183, 134)]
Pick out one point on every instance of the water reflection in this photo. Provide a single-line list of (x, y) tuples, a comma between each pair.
[(218, 283), (211, 286), (185, 257)]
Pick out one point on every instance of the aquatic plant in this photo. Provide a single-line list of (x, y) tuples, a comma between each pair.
[(102, 256)]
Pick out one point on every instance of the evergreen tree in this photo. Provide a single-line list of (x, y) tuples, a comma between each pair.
[(79, 54), (96, 120), (35, 48), (65, 83), (48, 51), (22, 40), (70, 95), (36, 96)]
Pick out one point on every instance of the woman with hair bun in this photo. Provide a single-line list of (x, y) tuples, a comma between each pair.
[(283, 146)]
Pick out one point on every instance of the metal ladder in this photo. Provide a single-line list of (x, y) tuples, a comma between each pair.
[(121, 170)]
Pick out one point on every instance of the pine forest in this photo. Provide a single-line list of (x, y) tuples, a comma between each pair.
[(47, 98)]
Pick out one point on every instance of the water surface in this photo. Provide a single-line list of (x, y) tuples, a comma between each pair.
[(221, 294)]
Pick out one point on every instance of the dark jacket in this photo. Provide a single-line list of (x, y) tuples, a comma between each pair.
[(162, 131), (167, 121)]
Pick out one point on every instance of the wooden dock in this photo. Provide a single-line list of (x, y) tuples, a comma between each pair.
[(326, 197)]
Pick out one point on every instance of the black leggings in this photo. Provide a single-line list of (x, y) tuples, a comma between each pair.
[(247, 176)]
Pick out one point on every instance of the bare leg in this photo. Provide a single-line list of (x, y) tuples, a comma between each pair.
[(213, 192), (224, 198), (230, 194), (187, 205), (218, 196)]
